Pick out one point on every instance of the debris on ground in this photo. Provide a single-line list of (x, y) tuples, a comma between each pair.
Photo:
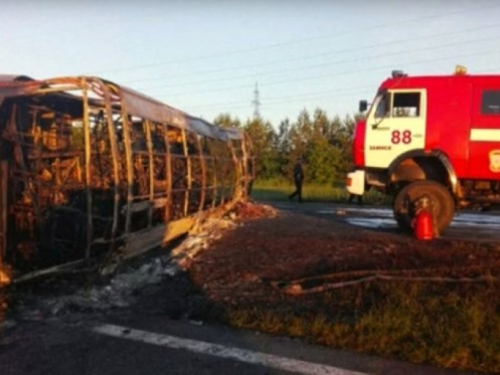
[(250, 210), (120, 291), (293, 246), (255, 264), (212, 229), (323, 283), (283, 247), (200, 239), (123, 287)]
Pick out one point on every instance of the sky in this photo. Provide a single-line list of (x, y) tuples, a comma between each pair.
[(205, 57)]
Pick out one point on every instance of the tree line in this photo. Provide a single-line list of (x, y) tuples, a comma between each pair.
[(324, 144)]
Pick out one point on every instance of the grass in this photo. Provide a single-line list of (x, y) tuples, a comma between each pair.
[(454, 327), (448, 325), (280, 190)]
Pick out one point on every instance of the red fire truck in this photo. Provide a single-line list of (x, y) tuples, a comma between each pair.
[(433, 136)]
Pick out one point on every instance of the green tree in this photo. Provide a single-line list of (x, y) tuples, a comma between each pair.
[(322, 155), (263, 137), (322, 158), (283, 146), (299, 139), (324, 144), (226, 121)]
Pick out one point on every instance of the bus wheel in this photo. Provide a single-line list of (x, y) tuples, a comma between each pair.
[(443, 205)]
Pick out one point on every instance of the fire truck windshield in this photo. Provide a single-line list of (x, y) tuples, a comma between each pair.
[(383, 104)]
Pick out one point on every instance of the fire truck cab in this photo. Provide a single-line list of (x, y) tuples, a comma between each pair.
[(434, 136)]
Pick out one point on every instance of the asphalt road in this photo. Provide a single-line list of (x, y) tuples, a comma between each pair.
[(145, 344), (467, 225), (146, 341)]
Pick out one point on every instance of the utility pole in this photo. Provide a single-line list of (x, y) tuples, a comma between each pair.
[(256, 102)]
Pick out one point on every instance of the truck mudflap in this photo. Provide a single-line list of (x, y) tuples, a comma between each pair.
[(355, 182)]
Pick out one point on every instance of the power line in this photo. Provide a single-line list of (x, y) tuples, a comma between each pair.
[(308, 67), (272, 100), (356, 71), (304, 40), (312, 95), (328, 94), (320, 55)]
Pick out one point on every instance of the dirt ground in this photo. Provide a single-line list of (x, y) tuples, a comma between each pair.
[(288, 273), (265, 261), (256, 262), (262, 257)]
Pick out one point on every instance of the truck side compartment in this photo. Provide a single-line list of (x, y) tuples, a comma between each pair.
[(432, 136)]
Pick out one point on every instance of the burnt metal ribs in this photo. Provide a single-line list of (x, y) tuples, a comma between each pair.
[(88, 168)]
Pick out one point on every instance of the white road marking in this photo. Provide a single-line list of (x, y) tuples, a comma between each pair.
[(242, 355)]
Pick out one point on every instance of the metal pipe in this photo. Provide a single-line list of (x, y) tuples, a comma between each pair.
[(188, 172), (88, 180), (4, 171), (129, 166), (114, 157), (168, 171), (203, 174), (236, 165), (147, 129)]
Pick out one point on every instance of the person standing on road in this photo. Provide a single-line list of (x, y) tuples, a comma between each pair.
[(298, 178)]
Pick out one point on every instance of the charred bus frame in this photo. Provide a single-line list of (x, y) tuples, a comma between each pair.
[(88, 167)]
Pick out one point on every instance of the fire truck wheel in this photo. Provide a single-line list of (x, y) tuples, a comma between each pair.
[(442, 201)]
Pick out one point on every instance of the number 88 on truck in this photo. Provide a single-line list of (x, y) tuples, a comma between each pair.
[(430, 136)]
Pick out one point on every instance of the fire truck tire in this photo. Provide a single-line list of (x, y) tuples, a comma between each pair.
[(443, 203)]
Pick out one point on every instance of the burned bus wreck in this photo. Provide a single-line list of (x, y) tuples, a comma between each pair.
[(89, 168)]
